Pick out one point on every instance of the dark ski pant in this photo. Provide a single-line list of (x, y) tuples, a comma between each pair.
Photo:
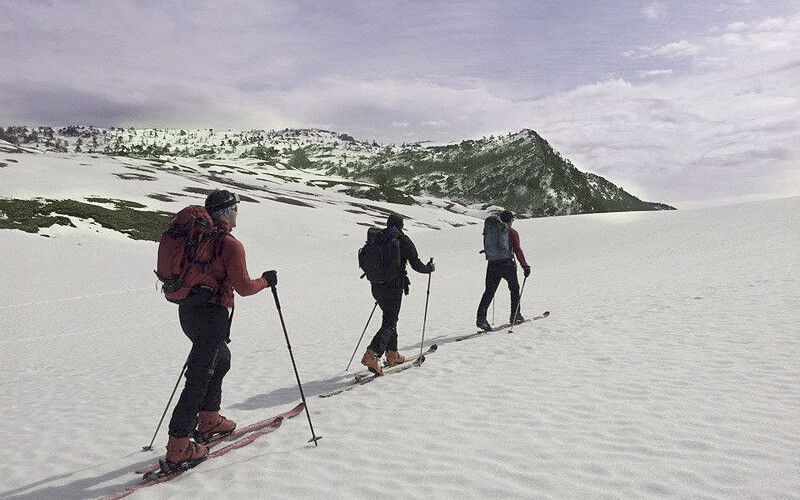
[(208, 327), (389, 299), (496, 271)]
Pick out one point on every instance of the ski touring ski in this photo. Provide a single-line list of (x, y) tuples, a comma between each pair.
[(361, 379), (409, 359), (159, 473), (501, 327), (236, 434), (162, 474)]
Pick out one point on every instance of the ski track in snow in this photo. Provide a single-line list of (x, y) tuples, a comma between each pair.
[(669, 367)]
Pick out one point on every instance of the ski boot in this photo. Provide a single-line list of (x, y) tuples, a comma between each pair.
[(483, 324), (370, 360), (394, 358), (210, 425), (183, 452)]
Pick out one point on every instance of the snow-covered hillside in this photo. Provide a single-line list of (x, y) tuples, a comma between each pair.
[(669, 366), (519, 170)]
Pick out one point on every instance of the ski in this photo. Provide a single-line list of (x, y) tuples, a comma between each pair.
[(501, 327), (410, 362), (410, 359), (236, 434), (161, 476)]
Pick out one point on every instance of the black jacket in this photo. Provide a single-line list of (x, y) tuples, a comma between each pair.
[(408, 253)]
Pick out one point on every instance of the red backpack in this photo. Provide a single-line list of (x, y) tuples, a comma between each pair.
[(186, 251)]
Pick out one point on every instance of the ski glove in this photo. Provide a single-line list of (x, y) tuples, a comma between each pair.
[(526, 271), (431, 267), (271, 277)]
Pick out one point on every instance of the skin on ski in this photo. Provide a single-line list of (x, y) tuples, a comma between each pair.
[(543, 315), (236, 434), (249, 438), (367, 373), (411, 359), (501, 327), (388, 371)]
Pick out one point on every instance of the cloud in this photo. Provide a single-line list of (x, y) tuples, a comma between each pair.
[(653, 11), (673, 50), (653, 72), (726, 130)]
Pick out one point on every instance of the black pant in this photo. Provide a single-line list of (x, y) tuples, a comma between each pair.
[(208, 327), (389, 298), (495, 271)]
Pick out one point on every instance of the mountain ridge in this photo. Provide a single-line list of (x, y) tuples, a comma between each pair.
[(519, 171)]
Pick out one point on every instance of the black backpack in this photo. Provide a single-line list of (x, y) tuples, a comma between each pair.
[(380, 257)]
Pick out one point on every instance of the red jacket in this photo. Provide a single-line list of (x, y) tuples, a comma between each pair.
[(229, 271), (514, 237)]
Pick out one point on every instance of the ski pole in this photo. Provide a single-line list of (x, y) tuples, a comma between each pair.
[(516, 313), (150, 446), (294, 365), (421, 358), (362, 335)]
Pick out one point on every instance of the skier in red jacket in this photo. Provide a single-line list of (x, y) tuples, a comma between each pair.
[(507, 270), (204, 318)]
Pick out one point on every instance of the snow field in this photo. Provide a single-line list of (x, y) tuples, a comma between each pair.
[(668, 367)]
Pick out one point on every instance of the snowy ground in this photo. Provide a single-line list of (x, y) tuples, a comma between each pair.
[(669, 367)]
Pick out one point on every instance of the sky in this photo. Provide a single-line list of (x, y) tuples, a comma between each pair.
[(687, 103)]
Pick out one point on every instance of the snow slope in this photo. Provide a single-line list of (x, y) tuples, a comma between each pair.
[(669, 367)]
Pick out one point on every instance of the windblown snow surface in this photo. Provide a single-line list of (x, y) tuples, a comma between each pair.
[(668, 368)]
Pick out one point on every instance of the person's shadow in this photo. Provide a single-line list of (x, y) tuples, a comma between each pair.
[(90, 487), (314, 388), (78, 489)]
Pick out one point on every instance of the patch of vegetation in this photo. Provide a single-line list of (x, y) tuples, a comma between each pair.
[(116, 203), (206, 191), (261, 152), (137, 177), (238, 185), (299, 160), (197, 190), (381, 193), (208, 164), (326, 184), (292, 201), (286, 178), (161, 197), (3, 164), (28, 216), (32, 215)]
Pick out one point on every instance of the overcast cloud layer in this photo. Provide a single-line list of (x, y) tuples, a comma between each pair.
[(677, 102)]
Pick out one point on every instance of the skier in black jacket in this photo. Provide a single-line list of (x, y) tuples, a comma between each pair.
[(389, 296)]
